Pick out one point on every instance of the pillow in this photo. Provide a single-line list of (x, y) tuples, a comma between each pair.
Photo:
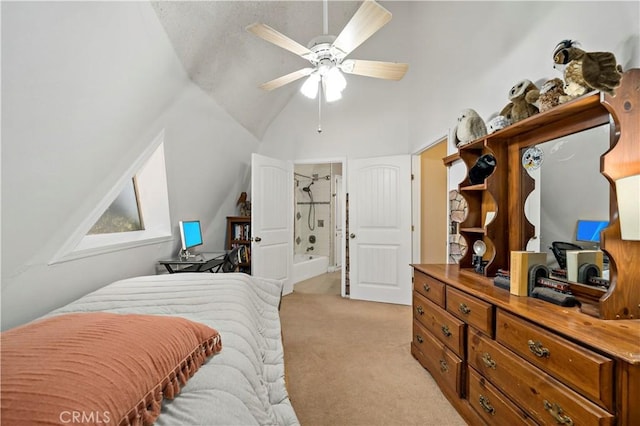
[(98, 368)]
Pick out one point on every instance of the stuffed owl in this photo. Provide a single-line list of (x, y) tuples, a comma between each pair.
[(469, 128), (497, 123), (585, 71), (521, 105), (482, 169), (550, 94)]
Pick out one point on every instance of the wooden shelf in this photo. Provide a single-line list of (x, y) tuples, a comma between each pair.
[(450, 159), (474, 230), (477, 187), (478, 144)]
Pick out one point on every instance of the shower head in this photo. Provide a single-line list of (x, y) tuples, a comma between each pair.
[(308, 187)]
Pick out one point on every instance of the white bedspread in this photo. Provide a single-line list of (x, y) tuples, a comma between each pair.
[(244, 383)]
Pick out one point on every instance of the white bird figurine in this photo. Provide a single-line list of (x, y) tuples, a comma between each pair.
[(470, 127)]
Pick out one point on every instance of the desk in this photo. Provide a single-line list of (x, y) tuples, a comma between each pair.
[(201, 262)]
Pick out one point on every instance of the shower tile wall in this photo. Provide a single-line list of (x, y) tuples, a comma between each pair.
[(322, 195)]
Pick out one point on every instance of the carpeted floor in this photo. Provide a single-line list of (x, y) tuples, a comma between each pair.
[(348, 362)]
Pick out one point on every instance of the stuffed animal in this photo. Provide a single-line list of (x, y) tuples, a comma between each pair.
[(497, 123), (244, 204), (482, 169), (585, 71), (521, 106), (469, 128), (550, 94)]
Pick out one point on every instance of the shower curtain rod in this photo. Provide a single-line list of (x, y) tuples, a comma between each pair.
[(327, 177), (301, 175)]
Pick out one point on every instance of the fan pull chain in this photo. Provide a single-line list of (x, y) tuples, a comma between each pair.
[(320, 110)]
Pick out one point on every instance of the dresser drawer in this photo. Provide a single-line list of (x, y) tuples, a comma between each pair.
[(445, 367), (543, 397), (585, 371), (492, 405), (429, 287), (471, 310), (447, 328)]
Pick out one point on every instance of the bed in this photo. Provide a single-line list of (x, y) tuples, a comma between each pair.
[(239, 381)]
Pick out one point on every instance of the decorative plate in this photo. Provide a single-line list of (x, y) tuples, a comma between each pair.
[(532, 158)]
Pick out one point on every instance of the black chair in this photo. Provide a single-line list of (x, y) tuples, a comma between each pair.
[(559, 249), (231, 260)]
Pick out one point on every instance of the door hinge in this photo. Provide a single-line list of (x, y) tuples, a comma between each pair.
[(412, 176), (413, 228)]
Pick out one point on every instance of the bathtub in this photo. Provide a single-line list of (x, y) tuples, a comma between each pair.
[(307, 266)]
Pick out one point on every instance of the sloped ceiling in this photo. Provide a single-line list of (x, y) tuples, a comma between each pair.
[(229, 63)]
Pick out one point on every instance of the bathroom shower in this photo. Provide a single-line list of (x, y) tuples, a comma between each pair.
[(314, 224), (311, 218)]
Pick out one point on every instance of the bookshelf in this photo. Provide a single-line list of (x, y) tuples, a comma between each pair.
[(239, 234)]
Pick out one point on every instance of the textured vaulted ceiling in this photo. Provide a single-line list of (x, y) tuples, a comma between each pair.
[(230, 63)]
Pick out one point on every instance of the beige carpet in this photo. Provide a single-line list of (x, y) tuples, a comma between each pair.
[(348, 362)]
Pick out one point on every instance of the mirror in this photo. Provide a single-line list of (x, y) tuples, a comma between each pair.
[(568, 187)]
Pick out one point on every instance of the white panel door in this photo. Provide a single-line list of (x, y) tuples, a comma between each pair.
[(272, 219), (380, 229)]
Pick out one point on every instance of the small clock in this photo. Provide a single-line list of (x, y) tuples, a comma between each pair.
[(532, 158)]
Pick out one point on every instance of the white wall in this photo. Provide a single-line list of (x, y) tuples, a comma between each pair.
[(85, 87)]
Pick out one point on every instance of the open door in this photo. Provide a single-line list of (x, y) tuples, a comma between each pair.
[(272, 219), (380, 229)]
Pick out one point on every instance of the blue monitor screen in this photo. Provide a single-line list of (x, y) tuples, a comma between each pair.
[(589, 230), (190, 233)]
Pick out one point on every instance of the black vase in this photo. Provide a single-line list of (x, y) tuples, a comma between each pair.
[(482, 169)]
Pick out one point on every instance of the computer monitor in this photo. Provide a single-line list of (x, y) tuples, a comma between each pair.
[(190, 235), (589, 230)]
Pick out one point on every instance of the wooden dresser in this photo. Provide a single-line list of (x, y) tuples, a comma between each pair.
[(501, 359)]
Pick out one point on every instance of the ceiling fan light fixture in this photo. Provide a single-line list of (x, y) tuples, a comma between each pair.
[(310, 86), (335, 79), (331, 93)]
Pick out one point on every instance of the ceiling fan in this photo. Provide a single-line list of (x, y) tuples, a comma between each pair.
[(327, 54)]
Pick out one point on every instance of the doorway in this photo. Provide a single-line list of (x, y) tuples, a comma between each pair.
[(431, 205), (317, 221)]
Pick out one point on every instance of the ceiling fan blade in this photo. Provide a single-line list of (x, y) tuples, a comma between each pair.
[(376, 69), (368, 19), (286, 79), (272, 36)]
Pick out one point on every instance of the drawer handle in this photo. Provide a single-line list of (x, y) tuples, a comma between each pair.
[(444, 367), (445, 330), (538, 350), (464, 309), (420, 310), (556, 412), (488, 361), (419, 338), (426, 288), (486, 405)]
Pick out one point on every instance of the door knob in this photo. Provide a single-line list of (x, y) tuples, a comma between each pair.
[(257, 239), (352, 235)]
